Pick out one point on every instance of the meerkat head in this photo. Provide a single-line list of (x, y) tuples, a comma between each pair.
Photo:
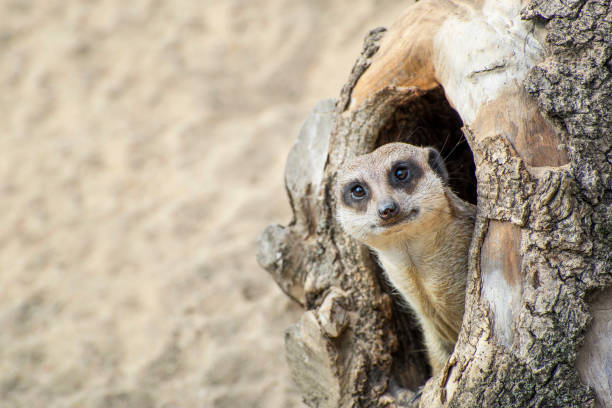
[(398, 189)]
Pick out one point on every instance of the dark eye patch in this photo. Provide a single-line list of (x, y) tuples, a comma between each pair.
[(405, 174), (356, 194)]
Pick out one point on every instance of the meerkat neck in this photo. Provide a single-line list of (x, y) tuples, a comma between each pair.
[(430, 269), (422, 250)]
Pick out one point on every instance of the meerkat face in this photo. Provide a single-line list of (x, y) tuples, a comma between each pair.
[(395, 190)]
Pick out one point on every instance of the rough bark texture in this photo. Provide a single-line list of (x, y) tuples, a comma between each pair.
[(573, 86), (541, 244)]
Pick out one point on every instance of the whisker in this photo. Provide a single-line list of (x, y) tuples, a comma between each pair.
[(445, 140), (457, 145)]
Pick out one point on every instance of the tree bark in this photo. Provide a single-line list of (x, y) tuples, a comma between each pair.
[(536, 329)]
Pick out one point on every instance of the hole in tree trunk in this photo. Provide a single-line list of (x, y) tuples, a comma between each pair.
[(426, 121), (410, 366)]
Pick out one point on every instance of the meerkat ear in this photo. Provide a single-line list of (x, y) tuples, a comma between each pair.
[(437, 164)]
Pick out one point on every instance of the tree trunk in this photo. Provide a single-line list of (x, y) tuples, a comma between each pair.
[(530, 90)]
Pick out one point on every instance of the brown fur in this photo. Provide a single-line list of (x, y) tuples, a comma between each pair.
[(424, 249)]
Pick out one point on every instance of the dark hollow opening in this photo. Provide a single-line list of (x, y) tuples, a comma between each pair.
[(427, 121)]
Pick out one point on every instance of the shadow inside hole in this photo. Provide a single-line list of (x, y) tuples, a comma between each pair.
[(410, 365), (431, 121), (427, 121)]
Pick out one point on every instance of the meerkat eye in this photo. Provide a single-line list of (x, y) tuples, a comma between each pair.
[(357, 191), (401, 173), (356, 195), (404, 174)]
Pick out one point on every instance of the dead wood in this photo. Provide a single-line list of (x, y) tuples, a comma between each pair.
[(537, 145)]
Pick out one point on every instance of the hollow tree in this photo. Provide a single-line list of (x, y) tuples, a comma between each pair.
[(517, 99)]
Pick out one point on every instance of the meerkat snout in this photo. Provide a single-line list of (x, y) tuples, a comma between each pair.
[(396, 200), (387, 209)]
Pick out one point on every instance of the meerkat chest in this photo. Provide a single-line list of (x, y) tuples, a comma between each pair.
[(406, 278), (428, 289)]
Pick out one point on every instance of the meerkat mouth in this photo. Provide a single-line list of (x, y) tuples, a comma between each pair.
[(401, 218)]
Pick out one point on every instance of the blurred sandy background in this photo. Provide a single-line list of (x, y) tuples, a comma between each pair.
[(142, 151)]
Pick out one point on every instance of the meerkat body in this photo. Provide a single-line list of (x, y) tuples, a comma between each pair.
[(396, 201)]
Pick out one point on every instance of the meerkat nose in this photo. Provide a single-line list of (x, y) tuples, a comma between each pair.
[(387, 209)]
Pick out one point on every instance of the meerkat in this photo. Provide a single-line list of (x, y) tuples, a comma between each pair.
[(397, 201)]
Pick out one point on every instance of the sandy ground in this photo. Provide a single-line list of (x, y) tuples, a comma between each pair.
[(142, 150)]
